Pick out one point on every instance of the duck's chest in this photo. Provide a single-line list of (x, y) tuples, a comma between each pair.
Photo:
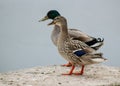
[(64, 49), (55, 35)]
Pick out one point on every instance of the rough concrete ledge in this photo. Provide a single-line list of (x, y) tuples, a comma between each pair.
[(95, 75)]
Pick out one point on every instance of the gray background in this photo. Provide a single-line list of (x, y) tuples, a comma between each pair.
[(24, 42)]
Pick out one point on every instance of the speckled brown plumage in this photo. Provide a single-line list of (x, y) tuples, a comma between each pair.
[(67, 47)]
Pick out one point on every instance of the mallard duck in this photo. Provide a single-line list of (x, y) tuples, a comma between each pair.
[(75, 34), (74, 51)]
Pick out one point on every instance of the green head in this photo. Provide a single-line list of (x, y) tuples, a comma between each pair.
[(51, 15)]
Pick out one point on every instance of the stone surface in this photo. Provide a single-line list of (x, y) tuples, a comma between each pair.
[(95, 75)]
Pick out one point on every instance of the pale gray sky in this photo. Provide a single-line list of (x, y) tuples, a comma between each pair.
[(25, 42)]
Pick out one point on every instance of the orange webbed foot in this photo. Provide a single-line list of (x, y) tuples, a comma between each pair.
[(81, 73), (67, 65)]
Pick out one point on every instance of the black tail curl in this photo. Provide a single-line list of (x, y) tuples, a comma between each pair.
[(94, 41), (100, 40)]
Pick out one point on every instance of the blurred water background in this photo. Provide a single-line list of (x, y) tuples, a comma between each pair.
[(25, 42)]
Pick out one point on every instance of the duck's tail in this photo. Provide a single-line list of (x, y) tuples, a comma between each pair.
[(96, 43), (97, 58)]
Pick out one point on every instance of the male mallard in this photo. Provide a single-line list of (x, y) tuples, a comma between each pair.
[(74, 51), (95, 43)]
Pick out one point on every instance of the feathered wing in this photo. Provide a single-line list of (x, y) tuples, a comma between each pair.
[(89, 58), (93, 42), (77, 34), (79, 52), (94, 58), (76, 45)]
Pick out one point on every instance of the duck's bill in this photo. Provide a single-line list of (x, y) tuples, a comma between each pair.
[(43, 19), (51, 23)]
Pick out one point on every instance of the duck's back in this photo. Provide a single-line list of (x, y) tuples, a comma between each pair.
[(74, 33), (77, 34)]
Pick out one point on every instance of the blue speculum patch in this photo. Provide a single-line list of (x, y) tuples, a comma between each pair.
[(79, 52)]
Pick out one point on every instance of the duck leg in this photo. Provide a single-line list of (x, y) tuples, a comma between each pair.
[(71, 71), (67, 65), (81, 72)]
